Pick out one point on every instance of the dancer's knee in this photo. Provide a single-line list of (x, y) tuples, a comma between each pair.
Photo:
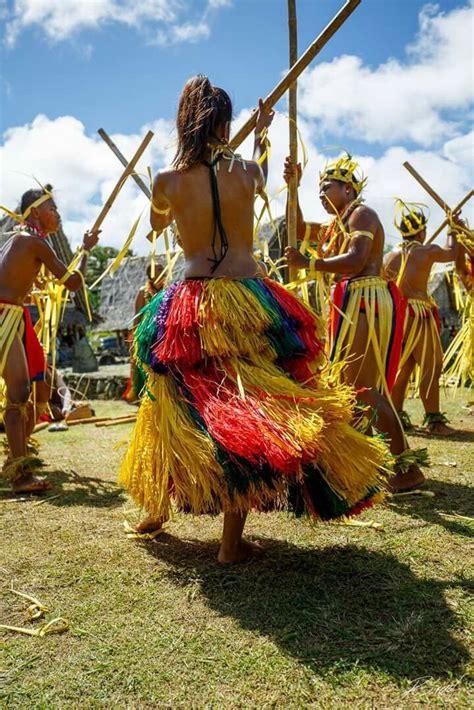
[(18, 394)]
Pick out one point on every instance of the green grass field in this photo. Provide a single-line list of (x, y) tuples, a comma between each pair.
[(332, 616)]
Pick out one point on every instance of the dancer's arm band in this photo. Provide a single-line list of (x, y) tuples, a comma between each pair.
[(362, 233), (81, 276), (157, 211)]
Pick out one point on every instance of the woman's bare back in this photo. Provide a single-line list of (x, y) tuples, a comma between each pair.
[(189, 195)]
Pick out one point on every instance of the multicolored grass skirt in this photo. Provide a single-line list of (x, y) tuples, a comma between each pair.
[(235, 415)]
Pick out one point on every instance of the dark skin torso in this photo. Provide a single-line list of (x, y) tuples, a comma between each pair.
[(364, 256), (188, 194), (21, 258), (418, 265)]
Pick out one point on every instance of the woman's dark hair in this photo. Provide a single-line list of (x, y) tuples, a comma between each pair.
[(202, 109), (31, 196), (412, 221)]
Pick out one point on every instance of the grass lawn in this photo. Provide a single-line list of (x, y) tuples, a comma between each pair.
[(332, 616)]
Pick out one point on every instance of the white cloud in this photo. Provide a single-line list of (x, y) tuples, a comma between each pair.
[(166, 20), (213, 4), (343, 97), (411, 100), (189, 32), (449, 170), (83, 171)]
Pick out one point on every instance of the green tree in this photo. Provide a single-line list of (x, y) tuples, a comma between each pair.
[(97, 263)]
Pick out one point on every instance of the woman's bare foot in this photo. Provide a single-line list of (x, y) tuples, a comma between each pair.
[(31, 484), (407, 481), (242, 552), (149, 525), (440, 429)]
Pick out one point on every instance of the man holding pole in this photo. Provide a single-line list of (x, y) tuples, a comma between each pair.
[(366, 326), (410, 266), (21, 355)]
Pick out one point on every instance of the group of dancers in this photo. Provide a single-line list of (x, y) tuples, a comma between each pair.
[(250, 400)]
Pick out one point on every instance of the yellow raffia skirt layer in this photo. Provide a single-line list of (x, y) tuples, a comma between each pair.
[(421, 339), (459, 357), (381, 304)]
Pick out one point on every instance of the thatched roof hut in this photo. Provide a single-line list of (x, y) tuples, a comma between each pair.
[(275, 235), (440, 288), (118, 292)]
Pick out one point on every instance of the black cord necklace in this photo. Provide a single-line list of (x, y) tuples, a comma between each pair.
[(219, 254)]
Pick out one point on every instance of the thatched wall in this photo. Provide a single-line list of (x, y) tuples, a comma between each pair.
[(275, 235), (118, 292)]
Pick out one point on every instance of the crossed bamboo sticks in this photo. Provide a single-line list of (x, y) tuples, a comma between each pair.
[(434, 195)]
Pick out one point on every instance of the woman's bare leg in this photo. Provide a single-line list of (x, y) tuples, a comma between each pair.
[(233, 548)]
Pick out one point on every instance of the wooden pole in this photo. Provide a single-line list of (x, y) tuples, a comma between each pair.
[(293, 136), (121, 181), (104, 135), (117, 420), (297, 69), (434, 195), (426, 186), (115, 150), (457, 209)]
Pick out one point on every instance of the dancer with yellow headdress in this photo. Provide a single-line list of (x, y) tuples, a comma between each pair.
[(22, 358), (366, 325), (236, 415), (410, 266)]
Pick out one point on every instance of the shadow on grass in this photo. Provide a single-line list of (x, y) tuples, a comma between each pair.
[(463, 435), (451, 500), (331, 609), (72, 489)]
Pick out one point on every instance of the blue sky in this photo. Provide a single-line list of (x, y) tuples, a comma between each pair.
[(113, 76), (124, 71)]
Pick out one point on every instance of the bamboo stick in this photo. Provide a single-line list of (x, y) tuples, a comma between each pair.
[(41, 426), (457, 209), (426, 186), (104, 135), (117, 420), (434, 195), (293, 136), (121, 181), (92, 420), (289, 79)]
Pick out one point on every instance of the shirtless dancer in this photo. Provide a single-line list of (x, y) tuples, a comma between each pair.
[(237, 417), (366, 339), (21, 355), (410, 266)]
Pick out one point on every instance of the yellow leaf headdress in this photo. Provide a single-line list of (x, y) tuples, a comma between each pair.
[(345, 169), (409, 217), (47, 195)]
